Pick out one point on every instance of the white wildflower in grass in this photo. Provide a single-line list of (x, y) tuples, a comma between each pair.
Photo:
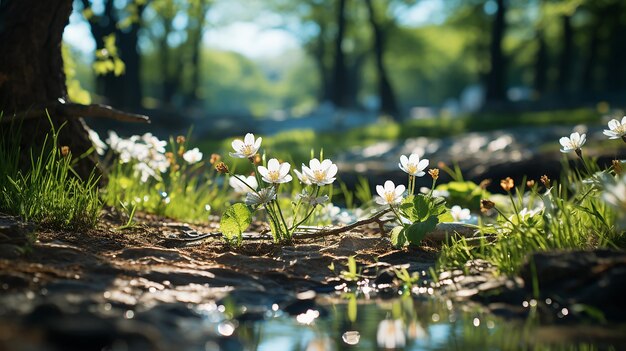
[(246, 148), (275, 172), (192, 156), (617, 129), (302, 177), (262, 197), (98, 144), (413, 165), (153, 142), (460, 214), (389, 194), (573, 143), (320, 173), (239, 186)]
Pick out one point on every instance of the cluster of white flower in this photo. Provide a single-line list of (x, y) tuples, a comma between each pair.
[(276, 172), (390, 194), (147, 152), (617, 130)]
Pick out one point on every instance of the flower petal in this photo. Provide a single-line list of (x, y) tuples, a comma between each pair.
[(273, 164), (422, 164), (414, 158), (403, 162), (237, 145), (389, 186), (257, 143), (380, 190), (249, 139), (314, 164), (332, 171), (565, 142), (263, 171), (400, 190), (284, 169)]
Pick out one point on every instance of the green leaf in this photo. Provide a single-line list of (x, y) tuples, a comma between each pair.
[(416, 232), (234, 221), (398, 236), (445, 217), (421, 207)]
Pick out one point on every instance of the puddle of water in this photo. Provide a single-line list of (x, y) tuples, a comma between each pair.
[(407, 324)]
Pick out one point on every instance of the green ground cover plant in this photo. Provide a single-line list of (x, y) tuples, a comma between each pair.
[(50, 193)]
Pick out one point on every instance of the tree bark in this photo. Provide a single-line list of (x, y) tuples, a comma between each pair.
[(340, 71), (496, 76), (388, 104), (31, 74), (565, 60)]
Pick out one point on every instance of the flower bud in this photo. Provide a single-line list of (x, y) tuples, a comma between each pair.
[(530, 183), (545, 181), (181, 139), (257, 160), (484, 183), (65, 150), (507, 184), (486, 205), (221, 167), (434, 172), (215, 158), (617, 167)]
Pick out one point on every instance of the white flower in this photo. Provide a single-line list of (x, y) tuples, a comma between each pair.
[(573, 143), (246, 148), (460, 214), (192, 156), (275, 172), (263, 197), (615, 194), (389, 194), (98, 144), (616, 129), (154, 142), (413, 165), (145, 172), (302, 177), (390, 334), (320, 173), (240, 187)]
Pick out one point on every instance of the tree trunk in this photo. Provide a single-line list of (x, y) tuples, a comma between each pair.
[(195, 36), (496, 76), (340, 72), (386, 94), (125, 90), (565, 61), (541, 65), (31, 73), (588, 82)]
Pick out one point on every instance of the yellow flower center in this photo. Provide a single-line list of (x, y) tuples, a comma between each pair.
[(411, 167), (319, 175), (246, 150), (389, 197), (273, 175)]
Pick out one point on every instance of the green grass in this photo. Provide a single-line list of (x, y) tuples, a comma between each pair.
[(183, 192), (49, 193), (574, 217)]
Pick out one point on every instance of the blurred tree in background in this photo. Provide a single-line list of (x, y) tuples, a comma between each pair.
[(358, 54)]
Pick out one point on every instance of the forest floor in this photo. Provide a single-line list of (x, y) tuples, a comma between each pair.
[(144, 284)]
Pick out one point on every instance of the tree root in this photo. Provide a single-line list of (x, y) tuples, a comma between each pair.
[(73, 110)]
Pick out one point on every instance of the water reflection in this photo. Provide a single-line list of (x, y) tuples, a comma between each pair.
[(404, 324)]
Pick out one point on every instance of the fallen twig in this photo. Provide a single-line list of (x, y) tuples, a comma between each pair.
[(374, 219)]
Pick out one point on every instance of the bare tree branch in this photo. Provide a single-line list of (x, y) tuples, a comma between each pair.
[(74, 110)]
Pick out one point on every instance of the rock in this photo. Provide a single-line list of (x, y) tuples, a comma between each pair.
[(10, 251), (15, 232), (595, 278), (446, 230)]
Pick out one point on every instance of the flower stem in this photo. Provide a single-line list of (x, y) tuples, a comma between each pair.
[(317, 190)]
